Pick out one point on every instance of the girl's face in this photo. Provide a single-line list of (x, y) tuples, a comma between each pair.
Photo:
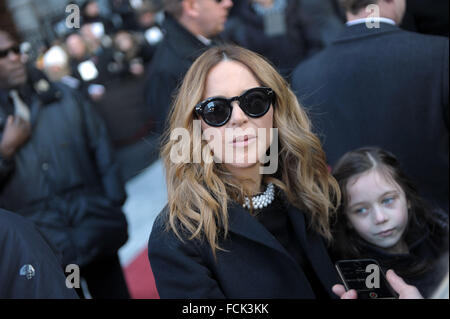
[(377, 210), (240, 142)]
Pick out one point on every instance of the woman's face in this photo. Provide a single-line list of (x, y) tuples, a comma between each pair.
[(377, 210), (242, 141)]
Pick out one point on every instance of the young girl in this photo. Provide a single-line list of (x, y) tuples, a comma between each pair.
[(382, 217)]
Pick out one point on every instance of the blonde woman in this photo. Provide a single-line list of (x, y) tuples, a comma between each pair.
[(234, 227)]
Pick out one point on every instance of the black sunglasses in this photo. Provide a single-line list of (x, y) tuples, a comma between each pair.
[(4, 53), (216, 111)]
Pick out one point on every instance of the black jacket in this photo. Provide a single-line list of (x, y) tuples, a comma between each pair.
[(383, 87), (284, 50), (172, 59), (21, 244), (65, 178), (253, 265)]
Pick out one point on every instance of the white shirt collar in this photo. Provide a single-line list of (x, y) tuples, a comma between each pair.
[(204, 40), (370, 20)]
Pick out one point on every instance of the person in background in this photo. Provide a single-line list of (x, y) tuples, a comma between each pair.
[(124, 12), (149, 19), (326, 17), (132, 122), (89, 64), (377, 84), (30, 268), (190, 27), (279, 30), (129, 56), (90, 14), (382, 217), (56, 66), (148, 15), (57, 169)]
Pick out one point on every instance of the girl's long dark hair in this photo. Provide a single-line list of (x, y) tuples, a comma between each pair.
[(347, 244)]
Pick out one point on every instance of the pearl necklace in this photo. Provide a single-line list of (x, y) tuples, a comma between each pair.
[(262, 200)]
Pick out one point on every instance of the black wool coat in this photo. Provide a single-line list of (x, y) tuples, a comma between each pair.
[(253, 264)]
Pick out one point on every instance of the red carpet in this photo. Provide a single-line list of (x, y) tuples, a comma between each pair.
[(139, 277)]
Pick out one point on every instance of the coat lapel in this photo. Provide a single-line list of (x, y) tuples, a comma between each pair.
[(314, 247), (245, 225)]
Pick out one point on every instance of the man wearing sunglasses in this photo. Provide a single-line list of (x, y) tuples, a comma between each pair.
[(12, 75), (58, 171), (191, 26)]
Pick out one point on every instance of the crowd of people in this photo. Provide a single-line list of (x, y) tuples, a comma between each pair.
[(352, 108), (106, 60)]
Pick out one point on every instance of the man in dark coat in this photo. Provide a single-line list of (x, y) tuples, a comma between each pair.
[(190, 27), (385, 87), (279, 30), (29, 267), (57, 170)]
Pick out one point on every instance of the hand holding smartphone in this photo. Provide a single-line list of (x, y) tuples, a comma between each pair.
[(366, 277)]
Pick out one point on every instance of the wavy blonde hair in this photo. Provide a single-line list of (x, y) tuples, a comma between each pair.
[(199, 193)]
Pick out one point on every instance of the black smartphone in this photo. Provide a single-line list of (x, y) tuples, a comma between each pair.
[(366, 277)]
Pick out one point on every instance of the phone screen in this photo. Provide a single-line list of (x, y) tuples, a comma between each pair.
[(366, 277)]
